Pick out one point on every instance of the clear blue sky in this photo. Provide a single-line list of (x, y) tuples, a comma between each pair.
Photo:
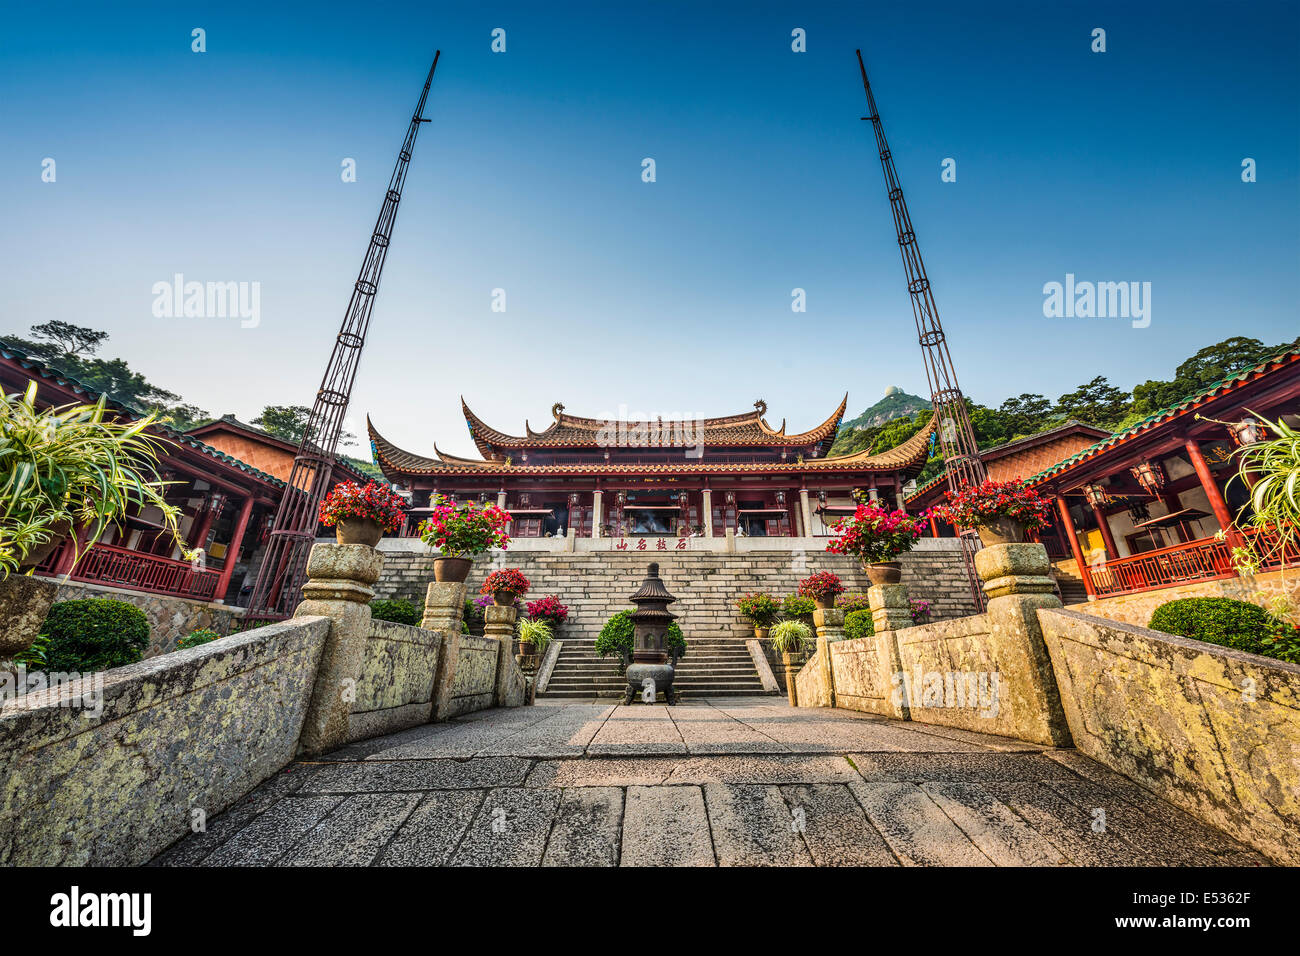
[(671, 297)]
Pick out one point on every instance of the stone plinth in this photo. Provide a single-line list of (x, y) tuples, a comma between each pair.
[(24, 602), (890, 608), (339, 579), (499, 624), (444, 609)]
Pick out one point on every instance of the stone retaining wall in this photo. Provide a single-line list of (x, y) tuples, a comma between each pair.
[(1137, 608), (596, 585), (170, 618), (395, 690), (1213, 730)]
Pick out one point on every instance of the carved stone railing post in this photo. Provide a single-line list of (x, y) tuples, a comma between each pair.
[(339, 579), (1017, 580), (500, 624), (891, 611), (830, 628), (444, 609)]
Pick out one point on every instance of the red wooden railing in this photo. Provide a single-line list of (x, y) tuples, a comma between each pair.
[(1204, 560), (122, 568)]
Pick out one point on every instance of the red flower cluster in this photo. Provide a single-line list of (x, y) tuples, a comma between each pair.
[(995, 499), (462, 529), (507, 579), (548, 608), (875, 534), (375, 502), (823, 584)]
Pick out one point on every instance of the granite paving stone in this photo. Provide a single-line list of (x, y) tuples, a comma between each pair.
[(509, 829), (354, 832), (835, 828), (271, 834), (915, 827), (587, 828), (433, 829), (752, 826), (666, 826), (993, 826)]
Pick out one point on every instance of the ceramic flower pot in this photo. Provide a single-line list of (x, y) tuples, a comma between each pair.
[(447, 569), (358, 531), (761, 633), (58, 534), (884, 572), (503, 598), (1001, 530), (825, 602)]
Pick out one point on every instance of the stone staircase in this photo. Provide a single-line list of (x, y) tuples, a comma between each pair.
[(1069, 581), (711, 668)]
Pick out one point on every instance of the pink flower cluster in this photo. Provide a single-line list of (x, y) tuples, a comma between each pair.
[(875, 534), (990, 500), (375, 502), (548, 608), (462, 529)]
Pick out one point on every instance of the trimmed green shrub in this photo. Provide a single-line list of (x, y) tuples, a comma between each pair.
[(858, 624), (398, 611), (1223, 621), (474, 616), (94, 635), (798, 608), (196, 638), (616, 638)]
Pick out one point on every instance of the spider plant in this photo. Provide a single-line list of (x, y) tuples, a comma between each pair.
[(535, 631), (69, 466), (790, 637), (1274, 466)]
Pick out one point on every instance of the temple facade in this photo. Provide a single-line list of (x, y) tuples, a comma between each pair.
[(616, 478)]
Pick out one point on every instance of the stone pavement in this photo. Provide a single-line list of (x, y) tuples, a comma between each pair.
[(732, 782)]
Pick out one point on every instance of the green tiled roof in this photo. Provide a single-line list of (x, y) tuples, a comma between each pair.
[(1223, 385), (178, 437)]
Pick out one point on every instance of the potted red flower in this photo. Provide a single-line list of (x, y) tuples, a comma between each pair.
[(362, 515), (459, 531), (1000, 510), (876, 536), (506, 586), (822, 587), (761, 610), (548, 609)]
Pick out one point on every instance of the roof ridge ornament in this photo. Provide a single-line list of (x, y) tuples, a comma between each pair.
[(556, 409), (762, 407)]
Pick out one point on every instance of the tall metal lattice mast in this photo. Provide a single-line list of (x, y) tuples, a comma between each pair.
[(276, 592), (956, 436)]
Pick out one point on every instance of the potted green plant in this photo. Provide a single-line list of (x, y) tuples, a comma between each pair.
[(761, 610), (876, 536), (362, 515), (506, 586), (822, 587), (60, 468), (460, 531), (1001, 511), (790, 639), (534, 635)]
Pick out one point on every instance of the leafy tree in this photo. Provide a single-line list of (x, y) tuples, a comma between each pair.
[(290, 423), (1097, 403), (1209, 365), (1027, 414), (70, 339)]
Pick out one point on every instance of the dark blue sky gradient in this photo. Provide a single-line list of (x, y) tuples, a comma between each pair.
[(672, 297)]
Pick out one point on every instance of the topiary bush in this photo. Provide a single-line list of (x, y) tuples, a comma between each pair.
[(94, 635), (196, 638), (1223, 621), (616, 638), (858, 624), (399, 611)]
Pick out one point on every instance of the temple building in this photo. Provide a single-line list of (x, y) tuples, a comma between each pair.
[(694, 478)]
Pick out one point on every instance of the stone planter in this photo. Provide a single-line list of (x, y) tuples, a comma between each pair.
[(1001, 531), (24, 602), (58, 533), (451, 570), (884, 572), (793, 660), (358, 531)]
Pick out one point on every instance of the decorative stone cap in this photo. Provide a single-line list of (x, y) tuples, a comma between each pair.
[(887, 595), (1008, 569), (349, 562), (828, 617)]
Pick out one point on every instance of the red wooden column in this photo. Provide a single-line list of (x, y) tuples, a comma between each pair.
[(1219, 506), (1067, 528), (232, 550), (1108, 539)]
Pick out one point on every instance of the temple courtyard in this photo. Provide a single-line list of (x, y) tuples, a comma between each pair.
[(736, 781)]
